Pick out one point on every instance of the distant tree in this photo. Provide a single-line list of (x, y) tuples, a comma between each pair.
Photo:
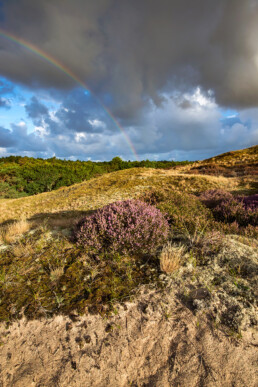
[(116, 163)]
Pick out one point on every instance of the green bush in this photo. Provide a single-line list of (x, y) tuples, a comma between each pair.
[(185, 213)]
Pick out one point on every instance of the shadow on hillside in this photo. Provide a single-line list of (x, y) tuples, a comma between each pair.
[(61, 219)]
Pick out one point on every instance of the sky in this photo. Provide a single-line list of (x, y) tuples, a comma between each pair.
[(139, 79)]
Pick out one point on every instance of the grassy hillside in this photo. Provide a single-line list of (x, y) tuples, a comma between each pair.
[(248, 155), (23, 176), (242, 162), (97, 192)]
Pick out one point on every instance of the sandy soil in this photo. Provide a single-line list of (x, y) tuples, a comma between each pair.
[(154, 341)]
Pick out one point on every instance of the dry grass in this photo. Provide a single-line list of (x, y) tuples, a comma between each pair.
[(249, 155), (23, 250), (127, 184), (171, 258), (67, 202), (241, 163), (56, 273), (14, 231)]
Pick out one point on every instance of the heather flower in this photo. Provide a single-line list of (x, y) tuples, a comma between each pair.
[(228, 208), (213, 197), (251, 201), (127, 227)]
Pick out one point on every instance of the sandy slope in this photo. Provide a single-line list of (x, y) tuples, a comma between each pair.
[(155, 341)]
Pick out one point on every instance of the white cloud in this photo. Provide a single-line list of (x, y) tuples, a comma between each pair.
[(21, 124), (187, 126), (79, 136), (97, 123), (41, 131), (52, 115)]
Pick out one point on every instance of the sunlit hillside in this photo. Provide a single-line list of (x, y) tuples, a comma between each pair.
[(102, 190), (239, 163), (129, 183), (128, 239)]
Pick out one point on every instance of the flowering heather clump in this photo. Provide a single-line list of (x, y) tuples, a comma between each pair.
[(127, 227), (213, 197), (229, 209), (251, 201)]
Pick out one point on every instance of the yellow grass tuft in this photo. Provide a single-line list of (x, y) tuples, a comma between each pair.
[(23, 250), (56, 273), (14, 231), (171, 258)]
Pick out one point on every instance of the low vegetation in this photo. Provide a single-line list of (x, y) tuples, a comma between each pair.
[(126, 227), (67, 203), (45, 274), (171, 258), (87, 247), (231, 164), (242, 210), (12, 232)]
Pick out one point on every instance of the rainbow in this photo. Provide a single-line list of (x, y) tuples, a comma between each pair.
[(31, 47)]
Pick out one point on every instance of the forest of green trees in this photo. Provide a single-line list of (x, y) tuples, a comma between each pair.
[(23, 176)]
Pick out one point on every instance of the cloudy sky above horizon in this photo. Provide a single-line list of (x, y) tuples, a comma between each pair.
[(166, 79)]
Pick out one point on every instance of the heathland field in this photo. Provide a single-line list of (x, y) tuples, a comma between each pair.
[(100, 259)]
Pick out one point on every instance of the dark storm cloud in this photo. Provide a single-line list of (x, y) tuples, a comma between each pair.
[(6, 138), (4, 103), (18, 139), (35, 109), (133, 50), (77, 110)]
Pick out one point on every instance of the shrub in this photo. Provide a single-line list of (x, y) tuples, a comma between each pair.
[(234, 210), (127, 227), (251, 201), (228, 208), (186, 214), (213, 197), (233, 228)]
